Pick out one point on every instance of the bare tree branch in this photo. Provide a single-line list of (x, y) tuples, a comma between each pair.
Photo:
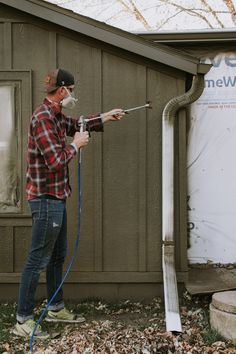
[(130, 7), (169, 18), (115, 15), (187, 10), (135, 11), (106, 8), (204, 2), (231, 8), (195, 9)]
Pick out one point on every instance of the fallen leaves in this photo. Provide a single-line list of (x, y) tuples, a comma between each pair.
[(131, 328)]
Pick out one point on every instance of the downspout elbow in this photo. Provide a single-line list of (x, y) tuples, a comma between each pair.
[(187, 98)]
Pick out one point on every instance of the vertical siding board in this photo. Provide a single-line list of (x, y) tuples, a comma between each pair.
[(142, 180), (154, 89), (7, 52), (52, 50), (121, 186), (6, 247), (85, 63), (30, 50), (98, 209), (1, 45), (98, 201)]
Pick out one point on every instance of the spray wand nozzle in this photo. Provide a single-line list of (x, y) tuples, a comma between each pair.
[(147, 105)]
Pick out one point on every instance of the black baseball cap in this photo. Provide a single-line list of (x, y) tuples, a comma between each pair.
[(58, 78)]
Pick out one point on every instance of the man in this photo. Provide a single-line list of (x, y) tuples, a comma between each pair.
[(47, 189)]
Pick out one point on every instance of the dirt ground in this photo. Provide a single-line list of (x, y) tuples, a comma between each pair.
[(120, 328)]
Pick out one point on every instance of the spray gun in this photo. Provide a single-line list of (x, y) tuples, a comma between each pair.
[(83, 121)]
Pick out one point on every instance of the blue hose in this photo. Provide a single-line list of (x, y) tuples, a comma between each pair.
[(71, 261)]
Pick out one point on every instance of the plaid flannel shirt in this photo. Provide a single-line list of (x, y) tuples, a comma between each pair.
[(48, 152)]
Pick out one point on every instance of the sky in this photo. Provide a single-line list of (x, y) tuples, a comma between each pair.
[(155, 15)]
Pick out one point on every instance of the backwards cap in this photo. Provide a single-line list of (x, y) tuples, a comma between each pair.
[(58, 78)]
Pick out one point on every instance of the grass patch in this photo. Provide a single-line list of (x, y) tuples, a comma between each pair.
[(211, 336)]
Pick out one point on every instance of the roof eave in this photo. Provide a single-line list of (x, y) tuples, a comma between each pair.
[(190, 36), (118, 38)]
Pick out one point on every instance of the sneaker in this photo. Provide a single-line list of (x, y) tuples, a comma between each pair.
[(26, 329), (64, 316)]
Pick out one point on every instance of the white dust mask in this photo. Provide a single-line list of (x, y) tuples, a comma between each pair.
[(69, 101)]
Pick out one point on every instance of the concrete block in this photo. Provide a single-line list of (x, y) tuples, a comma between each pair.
[(225, 301), (223, 314)]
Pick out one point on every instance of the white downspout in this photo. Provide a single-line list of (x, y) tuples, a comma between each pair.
[(173, 321)]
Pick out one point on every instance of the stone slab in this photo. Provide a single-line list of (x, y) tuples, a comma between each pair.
[(225, 301), (211, 280)]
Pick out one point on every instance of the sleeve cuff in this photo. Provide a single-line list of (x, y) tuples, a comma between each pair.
[(75, 147)]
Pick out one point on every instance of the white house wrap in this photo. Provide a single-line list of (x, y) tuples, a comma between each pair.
[(212, 166)]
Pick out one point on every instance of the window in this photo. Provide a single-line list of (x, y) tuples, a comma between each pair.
[(15, 112), (9, 154)]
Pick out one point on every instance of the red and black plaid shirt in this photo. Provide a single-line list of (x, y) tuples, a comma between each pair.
[(48, 152)]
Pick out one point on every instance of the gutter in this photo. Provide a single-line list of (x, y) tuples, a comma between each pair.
[(173, 321), (190, 37)]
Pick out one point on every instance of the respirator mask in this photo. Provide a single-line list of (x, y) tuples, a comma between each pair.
[(69, 101)]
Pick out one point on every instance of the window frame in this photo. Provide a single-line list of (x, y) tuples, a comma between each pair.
[(15, 89), (22, 82)]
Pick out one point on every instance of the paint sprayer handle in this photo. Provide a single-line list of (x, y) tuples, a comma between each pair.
[(82, 128)]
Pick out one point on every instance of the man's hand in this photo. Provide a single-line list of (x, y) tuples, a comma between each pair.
[(81, 139), (114, 114)]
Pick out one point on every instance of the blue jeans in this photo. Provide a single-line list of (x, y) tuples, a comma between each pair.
[(48, 251)]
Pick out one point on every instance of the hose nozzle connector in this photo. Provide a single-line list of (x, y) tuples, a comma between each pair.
[(82, 124)]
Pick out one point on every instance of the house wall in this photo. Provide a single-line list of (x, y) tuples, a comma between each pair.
[(120, 248)]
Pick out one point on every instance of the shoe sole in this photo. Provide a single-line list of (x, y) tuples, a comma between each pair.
[(49, 319), (24, 335), (18, 334)]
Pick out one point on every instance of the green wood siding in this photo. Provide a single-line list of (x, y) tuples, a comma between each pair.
[(1, 46), (121, 168)]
